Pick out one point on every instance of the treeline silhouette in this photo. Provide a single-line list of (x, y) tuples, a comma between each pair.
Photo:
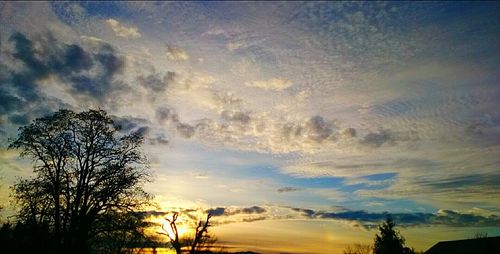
[(387, 241)]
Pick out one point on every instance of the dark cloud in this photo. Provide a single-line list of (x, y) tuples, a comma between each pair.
[(142, 127), (155, 83), (448, 217), (97, 83), (84, 71), (77, 59), (377, 139), (128, 123), (30, 60), (260, 218), (250, 210), (306, 212), (316, 129), (287, 189), (221, 211), (166, 115), (23, 50), (19, 86), (442, 217)]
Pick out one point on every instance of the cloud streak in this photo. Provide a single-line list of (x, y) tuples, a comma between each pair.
[(371, 220)]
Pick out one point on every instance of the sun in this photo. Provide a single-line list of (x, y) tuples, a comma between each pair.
[(182, 230), (163, 227)]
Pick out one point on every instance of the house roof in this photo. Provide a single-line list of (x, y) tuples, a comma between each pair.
[(487, 245)]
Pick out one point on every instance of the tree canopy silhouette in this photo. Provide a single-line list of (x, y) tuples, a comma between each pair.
[(390, 241), (84, 172)]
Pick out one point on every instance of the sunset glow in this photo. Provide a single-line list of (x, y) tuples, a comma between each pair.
[(299, 126)]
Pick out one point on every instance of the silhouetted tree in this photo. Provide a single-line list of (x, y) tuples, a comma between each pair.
[(85, 171), (200, 242), (390, 241), (174, 237)]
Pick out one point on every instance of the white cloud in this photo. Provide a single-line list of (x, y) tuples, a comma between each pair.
[(123, 31), (276, 84)]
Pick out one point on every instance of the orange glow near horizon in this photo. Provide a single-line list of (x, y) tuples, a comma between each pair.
[(162, 227)]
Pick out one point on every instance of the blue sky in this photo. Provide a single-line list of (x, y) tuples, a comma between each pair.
[(346, 110)]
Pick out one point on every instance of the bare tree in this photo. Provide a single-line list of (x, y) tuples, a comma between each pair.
[(174, 238), (201, 236), (200, 242), (84, 171)]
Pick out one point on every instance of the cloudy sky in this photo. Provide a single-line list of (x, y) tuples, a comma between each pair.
[(299, 125)]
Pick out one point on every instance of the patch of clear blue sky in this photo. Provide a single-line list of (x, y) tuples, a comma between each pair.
[(255, 166), (257, 172), (106, 8)]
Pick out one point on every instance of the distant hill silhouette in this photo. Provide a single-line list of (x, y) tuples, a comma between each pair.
[(487, 245)]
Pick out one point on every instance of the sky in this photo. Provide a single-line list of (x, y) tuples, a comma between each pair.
[(298, 125)]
